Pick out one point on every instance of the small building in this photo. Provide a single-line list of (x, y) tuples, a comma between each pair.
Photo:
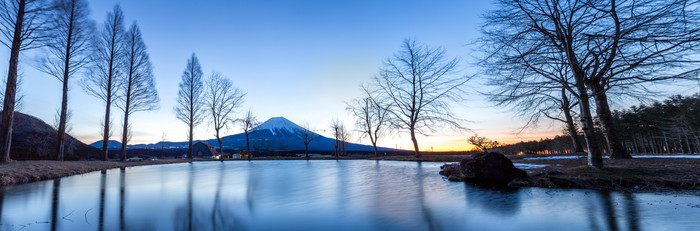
[(204, 150)]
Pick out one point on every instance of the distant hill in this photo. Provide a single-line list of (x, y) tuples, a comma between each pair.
[(111, 144), (275, 134), (33, 139)]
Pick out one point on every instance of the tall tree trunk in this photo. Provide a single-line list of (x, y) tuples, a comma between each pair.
[(105, 134), (127, 110), (221, 147), (189, 144), (8, 112), (376, 153), (566, 108), (247, 144), (595, 157), (605, 117), (306, 150), (125, 131), (415, 142), (572, 131), (61, 136)]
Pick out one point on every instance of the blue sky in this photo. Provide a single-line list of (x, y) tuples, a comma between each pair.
[(298, 59)]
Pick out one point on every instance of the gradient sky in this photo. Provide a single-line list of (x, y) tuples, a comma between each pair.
[(298, 59)]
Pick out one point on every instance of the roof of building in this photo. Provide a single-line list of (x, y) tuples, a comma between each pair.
[(211, 148)]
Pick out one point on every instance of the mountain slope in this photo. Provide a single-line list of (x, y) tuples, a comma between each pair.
[(275, 134), (33, 139)]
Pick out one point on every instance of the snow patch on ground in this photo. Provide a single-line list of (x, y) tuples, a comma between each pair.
[(674, 156), (552, 157), (605, 157), (529, 166)]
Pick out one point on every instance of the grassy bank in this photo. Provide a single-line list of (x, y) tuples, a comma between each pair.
[(20, 172)]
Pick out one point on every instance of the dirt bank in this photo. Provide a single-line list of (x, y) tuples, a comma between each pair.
[(638, 174)]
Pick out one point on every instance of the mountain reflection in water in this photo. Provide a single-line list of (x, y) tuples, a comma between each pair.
[(322, 195)]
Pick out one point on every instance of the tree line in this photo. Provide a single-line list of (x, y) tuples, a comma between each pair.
[(668, 126), (113, 60), (563, 60)]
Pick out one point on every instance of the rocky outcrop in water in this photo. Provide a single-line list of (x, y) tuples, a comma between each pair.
[(489, 168)]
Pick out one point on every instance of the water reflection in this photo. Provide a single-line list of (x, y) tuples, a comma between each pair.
[(122, 189), (103, 184), (631, 211), (2, 199), (425, 209), (504, 202), (321, 195), (54, 203)]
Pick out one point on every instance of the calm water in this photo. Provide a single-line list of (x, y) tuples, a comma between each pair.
[(323, 195)]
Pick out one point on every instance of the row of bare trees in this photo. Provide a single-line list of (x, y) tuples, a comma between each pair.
[(114, 61), (120, 73), (215, 98), (545, 54)]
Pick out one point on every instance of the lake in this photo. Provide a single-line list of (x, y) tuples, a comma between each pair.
[(323, 195)]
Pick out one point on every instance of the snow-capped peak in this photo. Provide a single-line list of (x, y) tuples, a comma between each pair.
[(279, 124)]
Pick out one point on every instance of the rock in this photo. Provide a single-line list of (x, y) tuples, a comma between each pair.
[(491, 168), (452, 172), (521, 182)]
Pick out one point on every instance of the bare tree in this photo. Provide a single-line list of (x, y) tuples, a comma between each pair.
[(248, 123), (190, 99), (483, 143), (420, 83), (533, 89), (163, 138), (335, 127), (607, 45), (139, 90), (21, 23), (305, 135), (222, 99), (67, 51), (371, 117), (341, 137), (344, 136), (106, 68)]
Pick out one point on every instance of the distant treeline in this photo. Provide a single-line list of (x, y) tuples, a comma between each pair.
[(669, 126), (179, 152)]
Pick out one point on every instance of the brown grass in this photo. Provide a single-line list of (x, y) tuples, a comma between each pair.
[(641, 174), (19, 172)]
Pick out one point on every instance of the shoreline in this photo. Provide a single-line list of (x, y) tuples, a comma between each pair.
[(633, 175), (22, 172)]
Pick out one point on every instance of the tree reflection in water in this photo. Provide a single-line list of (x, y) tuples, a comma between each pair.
[(341, 195), (122, 188), (103, 186)]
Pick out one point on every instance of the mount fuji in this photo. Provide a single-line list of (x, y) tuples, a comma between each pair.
[(275, 134)]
